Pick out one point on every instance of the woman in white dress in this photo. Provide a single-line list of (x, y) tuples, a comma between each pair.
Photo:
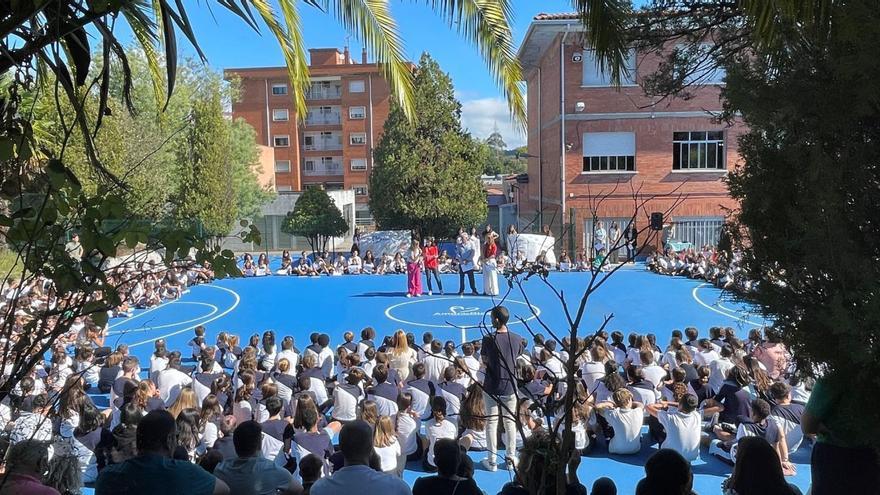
[(490, 267)]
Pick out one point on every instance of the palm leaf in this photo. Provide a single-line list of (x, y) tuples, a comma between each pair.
[(486, 23), (292, 46), (372, 23), (144, 30), (606, 25)]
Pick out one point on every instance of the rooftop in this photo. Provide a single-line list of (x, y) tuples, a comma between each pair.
[(558, 16)]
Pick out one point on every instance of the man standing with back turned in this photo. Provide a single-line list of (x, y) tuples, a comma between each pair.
[(499, 352)]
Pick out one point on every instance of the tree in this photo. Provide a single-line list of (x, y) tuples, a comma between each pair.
[(206, 191), (808, 192), (245, 159), (497, 161), (496, 141), (426, 177), (316, 217)]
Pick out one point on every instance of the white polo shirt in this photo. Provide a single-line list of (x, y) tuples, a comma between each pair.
[(682, 432)]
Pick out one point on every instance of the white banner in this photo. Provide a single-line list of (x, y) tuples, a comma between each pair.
[(531, 245)]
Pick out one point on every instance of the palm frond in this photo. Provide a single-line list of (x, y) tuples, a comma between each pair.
[(606, 25), (371, 22), (765, 16), (144, 30), (486, 23), (292, 46)]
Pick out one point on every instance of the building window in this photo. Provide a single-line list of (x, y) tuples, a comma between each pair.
[(357, 138), (592, 76), (698, 150), (280, 115), (360, 190), (356, 86), (357, 112), (279, 89), (282, 165), (609, 152), (284, 188), (281, 141), (358, 164), (701, 67), (698, 231), (309, 166)]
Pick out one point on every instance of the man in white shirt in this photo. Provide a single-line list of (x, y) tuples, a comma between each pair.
[(626, 418), (677, 426), (170, 380), (719, 368), (356, 444), (325, 357)]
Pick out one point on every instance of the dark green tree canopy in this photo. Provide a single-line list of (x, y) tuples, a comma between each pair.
[(315, 217), (809, 226), (426, 176)]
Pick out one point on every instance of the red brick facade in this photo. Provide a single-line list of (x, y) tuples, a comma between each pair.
[(332, 146), (596, 108)]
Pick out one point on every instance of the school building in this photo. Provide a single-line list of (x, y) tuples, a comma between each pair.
[(604, 150)]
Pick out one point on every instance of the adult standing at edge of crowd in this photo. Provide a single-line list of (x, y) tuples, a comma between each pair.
[(431, 254), (499, 352), (490, 266), (464, 251), (631, 237)]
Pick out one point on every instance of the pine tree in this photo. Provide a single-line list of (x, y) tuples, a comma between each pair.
[(426, 177)]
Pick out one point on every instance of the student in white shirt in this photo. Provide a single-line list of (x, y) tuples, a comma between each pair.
[(719, 368), (435, 363), (679, 426), (386, 445), (705, 354), (625, 417), (407, 429), (436, 428), (651, 371), (171, 380)]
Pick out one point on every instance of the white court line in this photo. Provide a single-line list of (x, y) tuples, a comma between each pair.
[(452, 300), (221, 315), (696, 298), (142, 313), (168, 325)]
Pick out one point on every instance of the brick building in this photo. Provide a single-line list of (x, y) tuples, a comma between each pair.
[(332, 146), (612, 141)]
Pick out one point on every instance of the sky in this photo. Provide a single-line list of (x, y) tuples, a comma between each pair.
[(229, 42)]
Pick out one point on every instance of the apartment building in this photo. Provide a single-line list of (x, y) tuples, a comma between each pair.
[(597, 147), (332, 146)]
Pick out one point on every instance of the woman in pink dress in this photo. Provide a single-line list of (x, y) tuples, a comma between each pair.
[(414, 270)]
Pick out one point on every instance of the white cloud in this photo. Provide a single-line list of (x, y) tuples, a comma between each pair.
[(481, 116)]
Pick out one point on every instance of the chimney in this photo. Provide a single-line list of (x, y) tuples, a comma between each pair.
[(345, 56), (364, 55)]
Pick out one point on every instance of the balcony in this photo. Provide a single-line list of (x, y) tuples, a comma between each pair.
[(324, 93), (322, 168), (323, 144), (323, 119)]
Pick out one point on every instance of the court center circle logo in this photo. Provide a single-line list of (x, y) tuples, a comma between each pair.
[(451, 312)]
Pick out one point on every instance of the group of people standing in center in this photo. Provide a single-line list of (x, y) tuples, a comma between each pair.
[(470, 256)]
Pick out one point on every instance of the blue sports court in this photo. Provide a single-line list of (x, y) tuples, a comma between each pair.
[(638, 300)]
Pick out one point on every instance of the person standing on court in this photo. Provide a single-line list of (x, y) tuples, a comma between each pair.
[(414, 269), (499, 352), (490, 267), (631, 236), (464, 252), (430, 254)]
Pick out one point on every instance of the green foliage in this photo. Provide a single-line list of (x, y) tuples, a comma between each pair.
[(206, 191), (426, 175), (809, 189), (494, 160), (244, 156), (316, 217)]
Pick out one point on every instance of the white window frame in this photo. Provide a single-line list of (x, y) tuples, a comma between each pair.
[(353, 116), (277, 111), (280, 136), (609, 156), (358, 168), (588, 62), (281, 86), (284, 188), (283, 169), (309, 165), (357, 83), (360, 187), (353, 135), (702, 147)]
